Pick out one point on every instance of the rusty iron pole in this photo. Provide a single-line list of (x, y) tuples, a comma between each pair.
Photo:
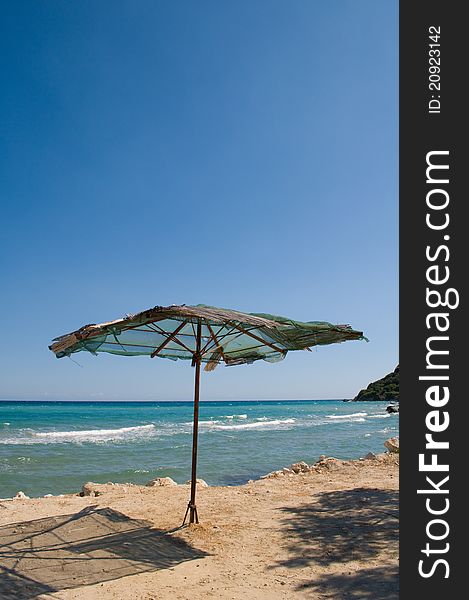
[(191, 507)]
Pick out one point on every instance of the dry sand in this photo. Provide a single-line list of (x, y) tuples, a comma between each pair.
[(329, 534)]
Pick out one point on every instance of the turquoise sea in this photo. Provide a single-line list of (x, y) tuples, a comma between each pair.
[(54, 447)]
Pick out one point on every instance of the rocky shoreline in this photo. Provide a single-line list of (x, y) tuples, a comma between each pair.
[(324, 464)]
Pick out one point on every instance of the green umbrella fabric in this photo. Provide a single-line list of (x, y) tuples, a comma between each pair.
[(227, 336)]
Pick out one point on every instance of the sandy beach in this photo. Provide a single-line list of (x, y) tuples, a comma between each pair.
[(329, 533)]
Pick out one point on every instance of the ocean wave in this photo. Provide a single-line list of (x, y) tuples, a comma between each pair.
[(257, 425), (212, 422), (350, 416), (379, 416), (93, 432), (79, 436)]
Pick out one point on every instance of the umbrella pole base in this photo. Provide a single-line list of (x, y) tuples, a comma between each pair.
[(192, 511)]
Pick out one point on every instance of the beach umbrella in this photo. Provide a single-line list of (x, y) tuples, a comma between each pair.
[(202, 334)]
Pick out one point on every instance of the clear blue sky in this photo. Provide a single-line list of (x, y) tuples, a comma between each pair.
[(241, 154)]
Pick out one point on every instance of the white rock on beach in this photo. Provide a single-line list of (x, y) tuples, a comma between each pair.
[(199, 482), (91, 489), (329, 463), (278, 473), (20, 496), (300, 467), (97, 489), (392, 444), (161, 481)]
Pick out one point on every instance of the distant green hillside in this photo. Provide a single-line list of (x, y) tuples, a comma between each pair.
[(386, 388)]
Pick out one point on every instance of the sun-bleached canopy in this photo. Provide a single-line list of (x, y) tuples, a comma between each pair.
[(227, 336)]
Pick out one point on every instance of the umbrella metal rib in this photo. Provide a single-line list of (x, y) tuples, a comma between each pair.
[(168, 339), (218, 346), (259, 339)]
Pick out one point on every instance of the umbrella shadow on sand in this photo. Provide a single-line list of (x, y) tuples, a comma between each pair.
[(339, 529), (91, 546)]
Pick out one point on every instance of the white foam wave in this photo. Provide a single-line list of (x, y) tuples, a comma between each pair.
[(379, 416), (258, 425), (236, 417), (351, 415), (92, 434)]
